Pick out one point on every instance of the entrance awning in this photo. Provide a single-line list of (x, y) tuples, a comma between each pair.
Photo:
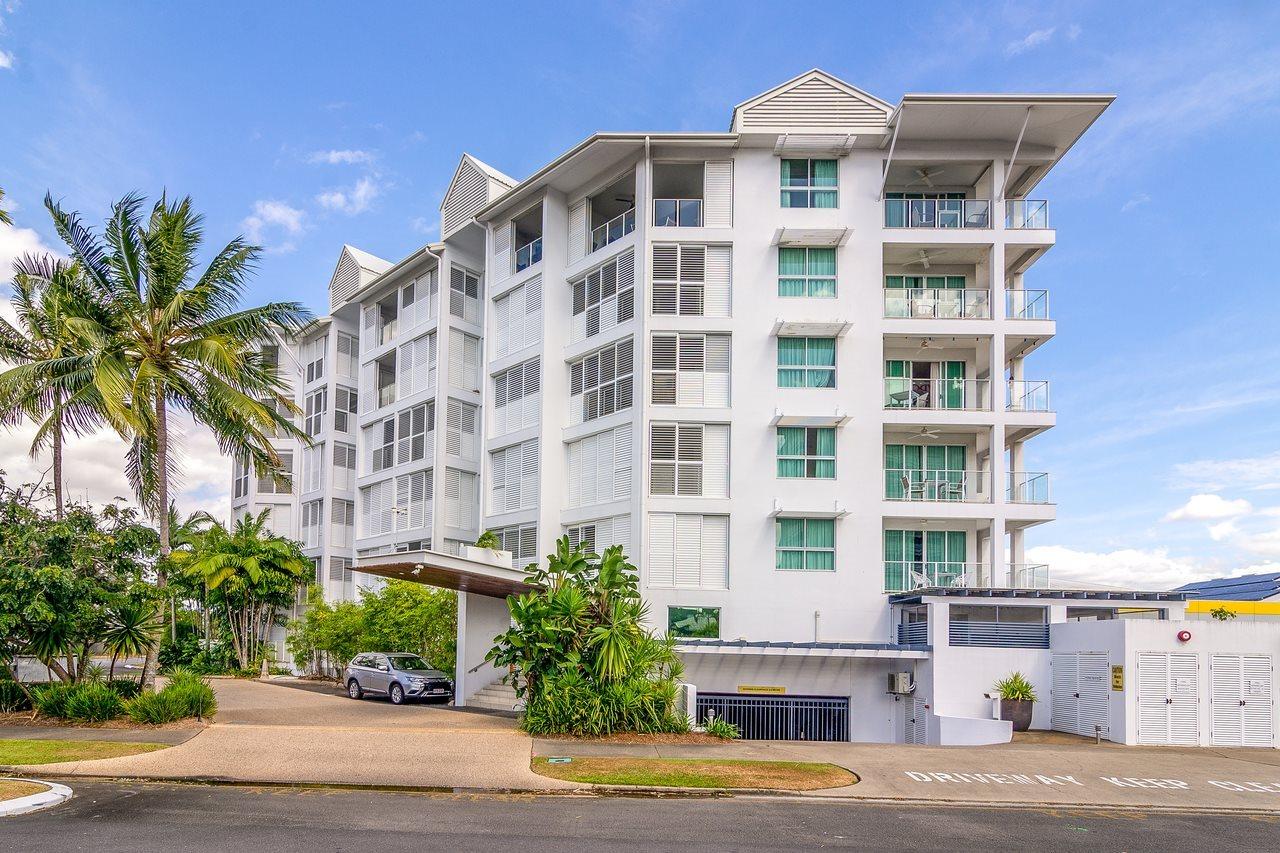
[(446, 570), (836, 650)]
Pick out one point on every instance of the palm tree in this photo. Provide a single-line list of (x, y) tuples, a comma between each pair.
[(4, 214), (175, 339), (50, 383), (131, 628)]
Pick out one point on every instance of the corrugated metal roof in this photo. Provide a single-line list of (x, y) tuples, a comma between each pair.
[(1243, 588)]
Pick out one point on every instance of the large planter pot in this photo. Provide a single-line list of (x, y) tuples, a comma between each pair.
[(1018, 712)]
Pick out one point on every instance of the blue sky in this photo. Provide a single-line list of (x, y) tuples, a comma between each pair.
[(306, 127)]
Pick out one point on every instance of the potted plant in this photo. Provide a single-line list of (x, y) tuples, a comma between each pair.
[(1016, 698)]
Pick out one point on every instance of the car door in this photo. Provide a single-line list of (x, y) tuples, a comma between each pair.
[(379, 674)]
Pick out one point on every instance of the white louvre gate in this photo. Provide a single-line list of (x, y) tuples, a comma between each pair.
[(1241, 700), (1081, 701), (915, 719), (1168, 698)]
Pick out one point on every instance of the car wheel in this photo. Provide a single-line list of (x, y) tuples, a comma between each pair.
[(396, 694), (353, 689)]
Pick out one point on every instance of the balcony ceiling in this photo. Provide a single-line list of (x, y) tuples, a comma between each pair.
[(898, 254), (945, 176)]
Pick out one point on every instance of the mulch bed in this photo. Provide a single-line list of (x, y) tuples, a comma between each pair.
[(23, 718), (636, 737)]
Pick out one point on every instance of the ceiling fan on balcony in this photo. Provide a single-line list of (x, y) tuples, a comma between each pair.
[(926, 344), (925, 259), (926, 176), (928, 434)]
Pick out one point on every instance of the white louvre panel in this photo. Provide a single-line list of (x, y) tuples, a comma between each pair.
[(603, 298), (501, 252), (377, 501), (312, 523), (1241, 701), (464, 361), (468, 193), (369, 329), (813, 104), (313, 468), (1184, 690), (514, 480), (917, 721), (718, 298), (280, 521), (464, 295), (1168, 698), (517, 402), (342, 523), (715, 390), (578, 231), (690, 370), (715, 461), (459, 499), (460, 437), (345, 281), (406, 380), (517, 318), (1064, 714), (600, 467), (601, 534), (689, 551), (718, 194), (1259, 700), (344, 466), (348, 356), (1094, 686), (413, 494)]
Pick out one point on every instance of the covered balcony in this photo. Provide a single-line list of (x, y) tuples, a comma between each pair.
[(526, 236), (611, 212), (1023, 395), (1026, 214), (931, 194), (678, 193), (937, 282), (937, 373), (925, 557)]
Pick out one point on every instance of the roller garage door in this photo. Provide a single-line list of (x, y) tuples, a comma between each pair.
[(1081, 701), (1241, 700), (780, 717)]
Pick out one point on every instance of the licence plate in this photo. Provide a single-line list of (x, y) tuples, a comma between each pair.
[(437, 690)]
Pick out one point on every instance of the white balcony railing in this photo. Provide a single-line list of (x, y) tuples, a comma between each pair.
[(1025, 487), (1024, 213), (1026, 304), (615, 229), (1028, 396), (915, 484), (961, 394), (937, 303), (937, 213), (677, 212), (906, 575), (386, 395), (529, 254)]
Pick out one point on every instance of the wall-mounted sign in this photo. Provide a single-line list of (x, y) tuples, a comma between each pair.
[(774, 690), (1117, 677)]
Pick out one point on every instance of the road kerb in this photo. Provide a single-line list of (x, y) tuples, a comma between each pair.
[(46, 799)]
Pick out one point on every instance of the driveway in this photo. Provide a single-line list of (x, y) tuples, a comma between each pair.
[(271, 733)]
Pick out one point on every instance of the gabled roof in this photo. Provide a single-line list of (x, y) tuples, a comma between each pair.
[(1244, 588), (354, 270), (813, 102), (475, 184)]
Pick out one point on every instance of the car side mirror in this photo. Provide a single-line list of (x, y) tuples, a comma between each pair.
[(384, 667)]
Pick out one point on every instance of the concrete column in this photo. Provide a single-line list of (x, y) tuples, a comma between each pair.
[(1017, 546), (480, 619), (999, 567)]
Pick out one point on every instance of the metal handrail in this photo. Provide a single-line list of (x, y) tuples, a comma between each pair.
[(937, 303), (1026, 304), (913, 633), (1025, 213), (1012, 635), (677, 212), (923, 484), (1026, 395), (959, 394), (615, 229), (1026, 487), (937, 213), (529, 254), (906, 575)]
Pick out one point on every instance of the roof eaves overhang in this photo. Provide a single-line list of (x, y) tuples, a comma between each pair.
[(448, 571), (399, 270)]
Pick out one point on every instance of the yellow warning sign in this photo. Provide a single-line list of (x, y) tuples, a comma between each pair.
[(1117, 677)]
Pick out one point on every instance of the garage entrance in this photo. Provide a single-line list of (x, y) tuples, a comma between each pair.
[(1080, 693), (1241, 700), (781, 717)]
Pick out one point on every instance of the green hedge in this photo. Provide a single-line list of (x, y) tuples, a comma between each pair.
[(186, 695)]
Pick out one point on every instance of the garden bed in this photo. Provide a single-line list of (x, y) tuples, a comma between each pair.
[(23, 718), (12, 789), (692, 738), (697, 773)]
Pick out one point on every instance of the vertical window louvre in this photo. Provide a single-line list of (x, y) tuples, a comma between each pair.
[(344, 409), (517, 318), (312, 512), (344, 466), (348, 355), (343, 517), (690, 370), (413, 497), (460, 430), (240, 478), (313, 359), (516, 401), (464, 291), (340, 569), (460, 498), (313, 468), (268, 484), (464, 361), (521, 541), (601, 534), (688, 460), (514, 480), (600, 467), (601, 383)]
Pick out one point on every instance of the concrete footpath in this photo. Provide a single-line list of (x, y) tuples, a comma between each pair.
[(1045, 768)]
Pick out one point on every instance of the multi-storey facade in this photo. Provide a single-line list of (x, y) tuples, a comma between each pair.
[(789, 367)]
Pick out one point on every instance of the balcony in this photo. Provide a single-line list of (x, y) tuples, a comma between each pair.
[(677, 212), (913, 633), (1027, 396), (529, 254), (613, 230), (1026, 304), (937, 394), (908, 575), (1028, 488), (526, 234), (1002, 635), (914, 484), (937, 213), (937, 303), (678, 193), (1026, 214)]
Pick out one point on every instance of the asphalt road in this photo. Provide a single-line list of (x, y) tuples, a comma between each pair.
[(139, 818)]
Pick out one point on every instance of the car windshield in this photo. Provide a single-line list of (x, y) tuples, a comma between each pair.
[(409, 662)]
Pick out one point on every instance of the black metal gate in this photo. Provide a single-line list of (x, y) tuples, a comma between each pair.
[(780, 717)]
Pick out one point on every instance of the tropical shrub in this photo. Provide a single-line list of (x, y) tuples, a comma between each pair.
[(187, 694), (156, 708), (125, 688), (721, 728), (1016, 686), (13, 698), (84, 702), (583, 662)]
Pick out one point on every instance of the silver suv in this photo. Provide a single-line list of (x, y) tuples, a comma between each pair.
[(398, 675)]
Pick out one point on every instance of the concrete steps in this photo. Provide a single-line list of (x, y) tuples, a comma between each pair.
[(495, 697)]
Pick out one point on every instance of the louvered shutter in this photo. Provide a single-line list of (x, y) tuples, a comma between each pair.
[(715, 461), (1064, 714), (662, 459), (621, 463), (693, 275), (502, 324), (368, 387), (369, 329), (529, 474), (531, 404), (578, 231), (663, 380), (501, 251), (457, 359), (406, 373), (715, 388), (717, 186), (718, 288), (406, 317), (688, 550), (689, 379), (662, 557), (715, 552), (665, 275), (453, 428), (531, 303)]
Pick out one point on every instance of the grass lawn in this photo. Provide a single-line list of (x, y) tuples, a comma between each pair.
[(50, 751), (698, 773), (11, 789)]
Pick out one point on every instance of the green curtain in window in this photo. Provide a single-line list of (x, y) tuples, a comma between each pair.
[(894, 282), (893, 465), (791, 262), (825, 441), (790, 441), (897, 387), (955, 282), (824, 173), (935, 463), (820, 561), (822, 287), (956, 552), (822, 262), (791, 351), (790, 533), (821, 352), (820, 533), (954, 387), (935, 546), (894, 569), (824, 199), (935, 282)]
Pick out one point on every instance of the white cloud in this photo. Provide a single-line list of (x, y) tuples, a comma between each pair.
[(1126, 568), (1137, 201), (6, 59), (351, 201), (1073, 32), (423, 225), (1209, 507), (1224, 530), (1030, 41), (16, 242), (344, 156), (274, 217), (1256, 472)]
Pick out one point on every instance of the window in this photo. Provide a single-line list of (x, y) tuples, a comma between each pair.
[(600, 467), (343, 517), (807, 452), (239, 478), (691, 280), (313, 359), (380, 441), (317, 403), (413, 495), (313, 468), (690, 370), (806, 272), (806, 544), (521, 540), (312, 512), (344, 466), (516, 401), (689, 460), (344, 409), (809, 183), (934, 472), (517, 318), (464, 292), (514, 477), (412, 426), (348, 355), (601, 383), (377, 502), (460, 430), (689, 551), (603, 298), (279, 482), (694, 622), (806, 362), (601, 534), (340, 569), (459, 499), (921, 558), (464, 361)]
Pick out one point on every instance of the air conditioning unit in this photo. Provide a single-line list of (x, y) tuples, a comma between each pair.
[(901, 683)]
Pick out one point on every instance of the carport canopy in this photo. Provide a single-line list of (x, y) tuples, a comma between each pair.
[(482, 577)]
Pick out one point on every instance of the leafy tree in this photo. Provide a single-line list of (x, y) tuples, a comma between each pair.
[(4, 214), (411, 617), (328, 635), (1223, 613), (175, 338), (131, 627)]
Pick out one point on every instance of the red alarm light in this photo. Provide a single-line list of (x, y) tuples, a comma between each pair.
[(1184, 636)]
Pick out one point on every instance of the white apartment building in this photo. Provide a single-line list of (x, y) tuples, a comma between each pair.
[(789, 367)]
